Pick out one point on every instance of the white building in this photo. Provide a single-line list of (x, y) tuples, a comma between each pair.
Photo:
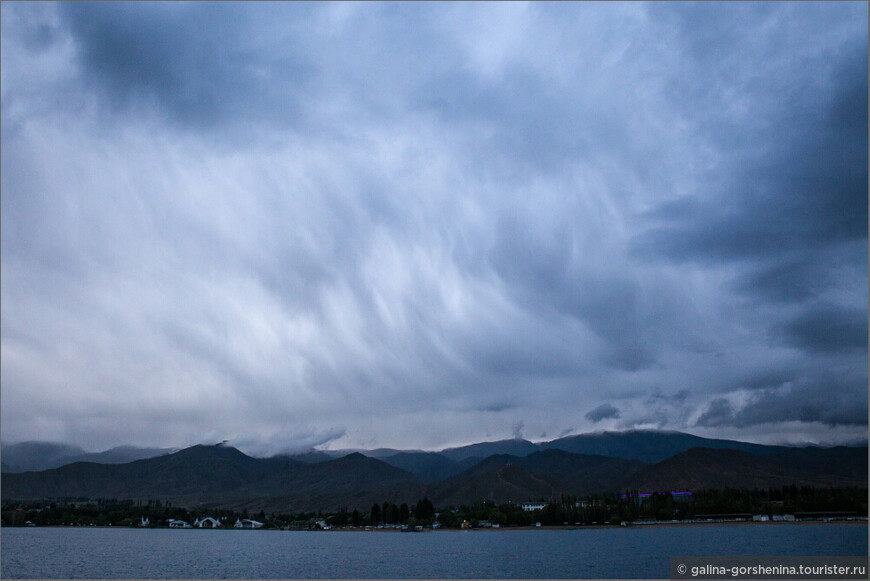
[(206, 523), (530, 506), (246, 523), (178, 524)]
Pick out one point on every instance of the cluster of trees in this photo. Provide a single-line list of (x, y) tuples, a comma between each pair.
[(630, 506), (566, 509), (423, 513), (388, 513), (112, 512), (785, 500), (102, 512)]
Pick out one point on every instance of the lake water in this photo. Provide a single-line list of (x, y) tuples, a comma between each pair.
[(586, 553)]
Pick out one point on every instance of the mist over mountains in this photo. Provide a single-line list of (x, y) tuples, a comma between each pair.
[(643, 445), (31, 456), (505, 471)]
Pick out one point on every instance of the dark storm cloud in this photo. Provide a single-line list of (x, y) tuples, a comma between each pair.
[(828, 399), (808, 190), (720, 412), (196, 64), (808, 187), (786, 281), (544, 267), (828, 328), (305, 215), (661, 409), (787, 210), (603, 412)]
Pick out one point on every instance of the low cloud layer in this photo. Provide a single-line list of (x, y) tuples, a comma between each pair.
[(416, 226), (293, 440)]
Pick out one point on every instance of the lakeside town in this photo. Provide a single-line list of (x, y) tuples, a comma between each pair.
[(789, 504)]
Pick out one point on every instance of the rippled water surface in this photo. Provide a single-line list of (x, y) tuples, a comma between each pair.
[(586, 553)]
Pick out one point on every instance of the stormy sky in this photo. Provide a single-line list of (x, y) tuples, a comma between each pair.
[(423, 225)]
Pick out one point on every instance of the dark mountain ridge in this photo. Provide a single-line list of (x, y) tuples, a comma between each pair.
[(218, 476), (721, 468), (515, 447), (429, 466), (507, 478), (644, 445), (649, 445), (502, 483), (26, 456), (222, 476), (34, 456)]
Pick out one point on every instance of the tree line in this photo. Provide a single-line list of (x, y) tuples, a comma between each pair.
[(628, 506)]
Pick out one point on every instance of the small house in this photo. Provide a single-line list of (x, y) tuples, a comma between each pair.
[(530, 506)]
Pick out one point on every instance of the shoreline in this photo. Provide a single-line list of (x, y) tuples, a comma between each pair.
[(493, 529), (612, 526)]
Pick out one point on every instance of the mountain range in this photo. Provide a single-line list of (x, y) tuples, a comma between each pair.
[(30, 456), (510, 470)]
